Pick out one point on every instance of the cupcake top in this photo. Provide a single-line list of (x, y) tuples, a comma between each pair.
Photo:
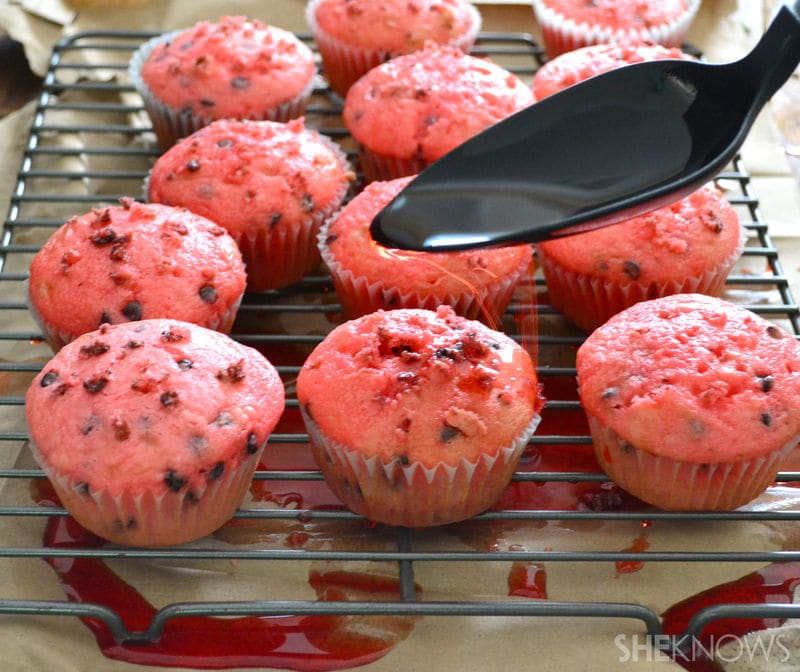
[(156, 405), (685, 239), (620, 14), (234, 67), (252, 175), (347, 242), (135, 261), (443, 387), (581, 64), (699, 378), (426, 103), (396, 26)]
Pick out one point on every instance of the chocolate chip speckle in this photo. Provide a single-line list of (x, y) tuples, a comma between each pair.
[(95, 384), (631, 269), (767, 383), (48, 378), (193, 165), (169, 398), (122, 431), (774, 332), (216, 472), (766, 419), (208, 293), (185, 364), (132, 310), (448, 433), (173, 481), (252, 444), (82, 488), (233, 373), (240, 83)]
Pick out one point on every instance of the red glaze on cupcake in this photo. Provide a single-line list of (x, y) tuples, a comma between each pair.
[(270, 185), (413, 109), (356, 35), (418, 417), (131, 262), (150, 431), (693, 402), (477, 284)]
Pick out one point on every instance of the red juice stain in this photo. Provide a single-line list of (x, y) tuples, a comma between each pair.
[(639, 545), (528, 579), (774, 583), (304, 643)]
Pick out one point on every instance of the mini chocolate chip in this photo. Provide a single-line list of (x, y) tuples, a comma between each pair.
[(447, 353), (105, 318), (95, 384), (48, 378), (331, 238), (169, 398), (207, 102), (407, 377), (118, 252), (133, 344), (191, 497), (216, 472), (173, 481), (448, 433), (275, 217), (193, 165), (240, 83), (105, 236), (82, 488), (132, 310), (766, 419), (224, 419), (233, 373), (170, 336), (774, 332), (89, 424), (631, 269), (208, 293), (404, 460), (225, 142), (252, 444), (627, 447), (307, 203), (767, 382), (185, 364), (121, 430), (609, 393)]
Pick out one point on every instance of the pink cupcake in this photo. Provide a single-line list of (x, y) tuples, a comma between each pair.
[(693, 402), (131, 262), (270, 185), (233, 68), (150, 431), (572, 24), (576, 66), (416, 417), (413, 109), (354, 36), (689, 246), (477, 284)]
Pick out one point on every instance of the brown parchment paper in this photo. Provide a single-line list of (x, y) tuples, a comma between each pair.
[(724, 30)]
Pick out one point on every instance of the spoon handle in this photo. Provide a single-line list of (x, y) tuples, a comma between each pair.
[(777, 54)]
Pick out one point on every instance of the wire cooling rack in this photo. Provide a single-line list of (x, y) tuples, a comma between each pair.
[(90, 144)]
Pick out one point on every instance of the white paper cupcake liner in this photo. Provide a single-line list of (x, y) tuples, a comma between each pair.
[(343, 63), (684, 486), (588, 301), (413, 495), (148, 518), (57, 338), (561, 34), (170, 124), (360, 296)]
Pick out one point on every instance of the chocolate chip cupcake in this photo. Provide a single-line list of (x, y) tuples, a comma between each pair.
[(131, 262), (150, 431)]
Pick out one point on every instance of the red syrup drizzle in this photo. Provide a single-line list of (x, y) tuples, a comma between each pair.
[(639, 545), (528, 579), (772, 584), (305, 643)]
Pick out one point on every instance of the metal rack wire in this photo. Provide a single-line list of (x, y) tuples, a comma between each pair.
[(90, 144)]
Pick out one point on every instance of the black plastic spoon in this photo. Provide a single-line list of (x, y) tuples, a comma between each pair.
[(617, 145)]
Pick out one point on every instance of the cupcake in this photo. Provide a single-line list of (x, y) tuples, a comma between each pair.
[(693, 402), (576, 66), (269, 184), (477, 284), (234, 68), (689, 246), (131, 262), (413, 109), (354, 36), (572, 24), (416, 417), (150, 431)]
